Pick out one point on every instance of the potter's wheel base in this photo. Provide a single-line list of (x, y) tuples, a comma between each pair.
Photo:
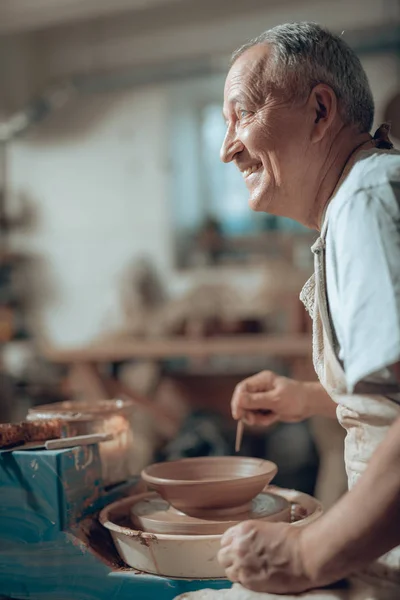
[(183, 556)]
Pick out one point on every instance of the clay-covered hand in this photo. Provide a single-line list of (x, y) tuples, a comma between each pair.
[(267, 397), (265, 557)]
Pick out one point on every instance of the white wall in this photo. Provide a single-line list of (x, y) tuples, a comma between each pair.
[(97, 172)]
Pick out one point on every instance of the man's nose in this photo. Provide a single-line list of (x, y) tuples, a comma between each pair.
[(230, 147)]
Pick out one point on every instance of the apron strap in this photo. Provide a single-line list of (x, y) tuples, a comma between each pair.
[(381, 137)]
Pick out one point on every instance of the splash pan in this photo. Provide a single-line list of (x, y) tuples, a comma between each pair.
[(186, 555)]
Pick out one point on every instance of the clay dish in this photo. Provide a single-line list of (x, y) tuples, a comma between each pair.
[(154, 515), (205, 485)]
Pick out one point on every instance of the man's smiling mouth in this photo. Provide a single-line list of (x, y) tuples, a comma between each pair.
[(250, 170)]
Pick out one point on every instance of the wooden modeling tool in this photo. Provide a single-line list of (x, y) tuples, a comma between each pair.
[(61, 443), (239, 435)]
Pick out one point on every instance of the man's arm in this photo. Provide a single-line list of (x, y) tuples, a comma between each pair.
[(363, 525), (319, 401)]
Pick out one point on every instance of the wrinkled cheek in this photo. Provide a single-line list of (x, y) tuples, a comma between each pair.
[(265, 185), (274, 169)]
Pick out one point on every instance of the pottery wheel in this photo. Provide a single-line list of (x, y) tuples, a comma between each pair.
[(155, 515)]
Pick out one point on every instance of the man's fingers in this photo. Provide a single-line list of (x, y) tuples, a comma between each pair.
[(245, 401), (259, 419), (225, 557), (232, 574), (228, 537), (254, 393), (254, 579), (257, 401), (260, 382)]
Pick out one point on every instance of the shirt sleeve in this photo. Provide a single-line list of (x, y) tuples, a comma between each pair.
[(366, 233)]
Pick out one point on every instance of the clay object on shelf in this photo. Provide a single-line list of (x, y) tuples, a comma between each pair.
[(11, 434), (115, 417), (196, 486), (153, 514), (33, 431)]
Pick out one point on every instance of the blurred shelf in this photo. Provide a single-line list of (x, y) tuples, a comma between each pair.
[(125, 348)]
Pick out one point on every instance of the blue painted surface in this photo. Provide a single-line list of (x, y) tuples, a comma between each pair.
[(45, 497)]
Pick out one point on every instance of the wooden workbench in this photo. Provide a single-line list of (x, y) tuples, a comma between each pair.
[(86, 372)]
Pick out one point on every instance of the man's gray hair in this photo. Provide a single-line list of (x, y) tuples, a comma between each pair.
[(305, 54)]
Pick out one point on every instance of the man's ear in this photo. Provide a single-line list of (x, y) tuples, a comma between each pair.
[(323, 105)]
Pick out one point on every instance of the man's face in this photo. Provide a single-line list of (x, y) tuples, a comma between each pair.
[(267, 137)]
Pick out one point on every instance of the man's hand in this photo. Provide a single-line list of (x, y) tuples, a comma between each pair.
[(267, 397), (265, 557), (281, 558)]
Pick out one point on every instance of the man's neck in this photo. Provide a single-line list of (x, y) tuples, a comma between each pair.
[(342, 150)]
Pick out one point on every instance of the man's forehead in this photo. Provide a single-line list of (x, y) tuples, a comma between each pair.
[(248, 72)]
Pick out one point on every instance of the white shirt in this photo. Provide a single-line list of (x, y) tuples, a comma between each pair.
[(363, 271)]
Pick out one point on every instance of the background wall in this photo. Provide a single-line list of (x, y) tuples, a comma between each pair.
[(98, 171)]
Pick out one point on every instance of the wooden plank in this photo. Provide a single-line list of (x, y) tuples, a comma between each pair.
[(125, 348)]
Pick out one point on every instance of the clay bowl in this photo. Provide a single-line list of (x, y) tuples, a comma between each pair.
[(210, 485)]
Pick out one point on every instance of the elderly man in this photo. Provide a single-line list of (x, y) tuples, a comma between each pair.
[(299, 112)]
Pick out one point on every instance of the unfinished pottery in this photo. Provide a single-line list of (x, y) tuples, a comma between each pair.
[(196, 486), (155, 515)]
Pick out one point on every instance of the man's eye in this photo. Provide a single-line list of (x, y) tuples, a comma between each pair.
[(243, 114)]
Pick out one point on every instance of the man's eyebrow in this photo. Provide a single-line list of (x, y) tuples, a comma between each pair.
[(239, 99)]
